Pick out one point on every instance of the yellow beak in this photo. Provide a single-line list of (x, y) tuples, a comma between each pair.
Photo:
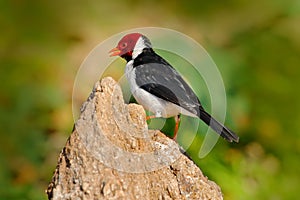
[(114, 52)]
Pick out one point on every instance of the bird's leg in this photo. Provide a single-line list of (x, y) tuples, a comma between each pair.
[(157, 115), (177, 121), (150, 117)]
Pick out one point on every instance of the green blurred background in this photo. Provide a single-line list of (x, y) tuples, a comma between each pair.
[(255, 44)]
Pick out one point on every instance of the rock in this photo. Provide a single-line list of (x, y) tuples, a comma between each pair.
[(111, 154)]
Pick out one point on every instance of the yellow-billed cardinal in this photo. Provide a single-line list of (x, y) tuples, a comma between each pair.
[(159, 88)]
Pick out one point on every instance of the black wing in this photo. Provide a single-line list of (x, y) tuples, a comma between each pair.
[(157, 76)]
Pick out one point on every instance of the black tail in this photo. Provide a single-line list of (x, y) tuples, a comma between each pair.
[(218, 127)]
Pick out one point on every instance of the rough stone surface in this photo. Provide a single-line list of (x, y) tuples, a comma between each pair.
[(112, 155)]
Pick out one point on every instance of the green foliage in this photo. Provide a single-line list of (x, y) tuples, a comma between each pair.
[(255, 45)]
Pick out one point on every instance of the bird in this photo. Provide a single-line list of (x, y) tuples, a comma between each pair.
[(159, 88)]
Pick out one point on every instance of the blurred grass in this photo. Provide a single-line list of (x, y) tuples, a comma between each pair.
[(255, 45)]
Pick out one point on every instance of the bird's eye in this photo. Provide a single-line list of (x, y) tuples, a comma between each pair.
[(124, 45)]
